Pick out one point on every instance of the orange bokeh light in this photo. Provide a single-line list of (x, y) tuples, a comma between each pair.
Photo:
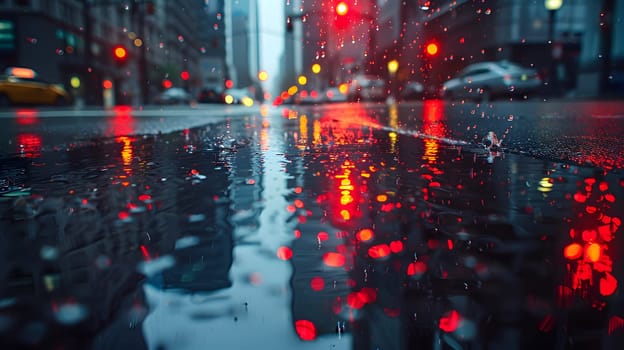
[(432, 49), (573, 251), (120, 52), (333, 259), (364, 235), (379, 251), (592, 252)]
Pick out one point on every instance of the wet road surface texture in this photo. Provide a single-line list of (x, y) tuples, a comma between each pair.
[(317, 228)]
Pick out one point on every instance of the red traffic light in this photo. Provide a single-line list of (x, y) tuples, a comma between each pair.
[(432, 49), (120, 53), (185, 75), (342, 8)]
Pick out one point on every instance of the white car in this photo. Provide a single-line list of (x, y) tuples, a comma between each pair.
[(486, 80), (367, 88), (173, 96)]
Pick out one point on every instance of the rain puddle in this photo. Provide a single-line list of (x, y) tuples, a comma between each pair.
[(319, 229)]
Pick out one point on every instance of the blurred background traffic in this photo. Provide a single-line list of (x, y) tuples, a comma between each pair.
[(111, 52)]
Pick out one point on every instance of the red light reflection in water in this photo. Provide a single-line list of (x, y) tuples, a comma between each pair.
[(127, 153), (433, 126), (345, 126), (26, 116), (588, 262), (122, 122), (29, 145), (345, 198)]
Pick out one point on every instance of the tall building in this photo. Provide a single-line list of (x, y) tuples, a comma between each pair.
[(66, 40), (213, 68), (242, 43)]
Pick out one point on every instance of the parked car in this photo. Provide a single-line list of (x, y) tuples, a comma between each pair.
[(412, 90), (20, 86), (237, 96), (367, 88), (173, 96), (486, 80), (210, 95)]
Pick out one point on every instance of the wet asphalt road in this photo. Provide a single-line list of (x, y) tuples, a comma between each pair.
[(345, 226)]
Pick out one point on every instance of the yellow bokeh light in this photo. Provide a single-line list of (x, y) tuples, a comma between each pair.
[(393, 66), (138, 42), (247, 101), (229, 99), (293, 90), (343, 88), (74, 82), (342, 8), (316, 68), (302, 80), (263, 75)]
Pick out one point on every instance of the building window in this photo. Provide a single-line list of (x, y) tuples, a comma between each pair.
[(68, 13)]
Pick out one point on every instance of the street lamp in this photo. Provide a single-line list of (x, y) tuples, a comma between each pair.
[(552, 6)]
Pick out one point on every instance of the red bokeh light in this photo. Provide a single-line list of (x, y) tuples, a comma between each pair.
[(284, 253), (317, 283), (107, 84), (379, 251), (416, 268), (306, 330), (450, 321)]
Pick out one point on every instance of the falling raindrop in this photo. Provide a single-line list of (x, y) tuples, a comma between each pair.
[(490, 141)]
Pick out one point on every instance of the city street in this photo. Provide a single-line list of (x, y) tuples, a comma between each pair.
[(431, 224)]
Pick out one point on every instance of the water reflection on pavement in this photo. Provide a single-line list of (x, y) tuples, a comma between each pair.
[(333, 229)]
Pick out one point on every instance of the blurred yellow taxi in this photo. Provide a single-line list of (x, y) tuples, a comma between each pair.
[(20, 86)]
